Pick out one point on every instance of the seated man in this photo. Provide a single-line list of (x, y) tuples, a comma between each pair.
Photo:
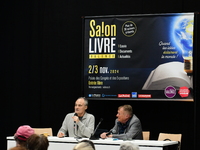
[(80, 123), (127, 125)]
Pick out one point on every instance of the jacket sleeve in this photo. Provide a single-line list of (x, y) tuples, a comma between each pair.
[(86, 127), (64, 126)]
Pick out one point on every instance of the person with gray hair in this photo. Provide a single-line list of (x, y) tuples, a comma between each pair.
[(79, 123), (128, 146), (127, 125), (84, 145)]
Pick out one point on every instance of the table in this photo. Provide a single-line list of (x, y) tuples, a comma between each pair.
[(68, 143)]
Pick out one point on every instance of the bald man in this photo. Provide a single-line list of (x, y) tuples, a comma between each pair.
[(79, 123)]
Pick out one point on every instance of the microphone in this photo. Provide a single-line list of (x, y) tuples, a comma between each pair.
[(77, 137), (92, 136), (75, 115), (111, 131)]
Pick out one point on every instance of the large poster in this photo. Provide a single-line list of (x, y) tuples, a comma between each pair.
[(143, 57)]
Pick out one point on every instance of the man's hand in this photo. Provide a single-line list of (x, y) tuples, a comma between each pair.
[(76, 119), (60, 135), (103, 135)]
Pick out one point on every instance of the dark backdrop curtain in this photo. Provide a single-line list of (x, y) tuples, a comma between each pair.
[(41, 67)]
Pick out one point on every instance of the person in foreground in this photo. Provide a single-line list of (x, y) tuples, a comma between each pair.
[(89, 142), (37, 142), (85, 145), (128, 146), (22, 134), (80, 123), (18, 148), (127, 125)]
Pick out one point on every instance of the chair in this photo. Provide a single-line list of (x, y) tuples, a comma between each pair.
[(171, 137), (45, 131), (146, 135)]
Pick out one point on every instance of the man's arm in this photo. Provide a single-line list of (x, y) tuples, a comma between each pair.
[(115, 128), (86, 127), (63, 129)]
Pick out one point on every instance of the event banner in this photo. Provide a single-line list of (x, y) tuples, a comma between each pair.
[(139, 57)]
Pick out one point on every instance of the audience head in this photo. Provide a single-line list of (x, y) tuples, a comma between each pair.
[(128, 146), (22, 134), (37, 142), (89, 142), (85, 145)]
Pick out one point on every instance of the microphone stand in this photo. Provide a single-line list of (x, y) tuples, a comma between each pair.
[(92, 136), (76, 136)]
